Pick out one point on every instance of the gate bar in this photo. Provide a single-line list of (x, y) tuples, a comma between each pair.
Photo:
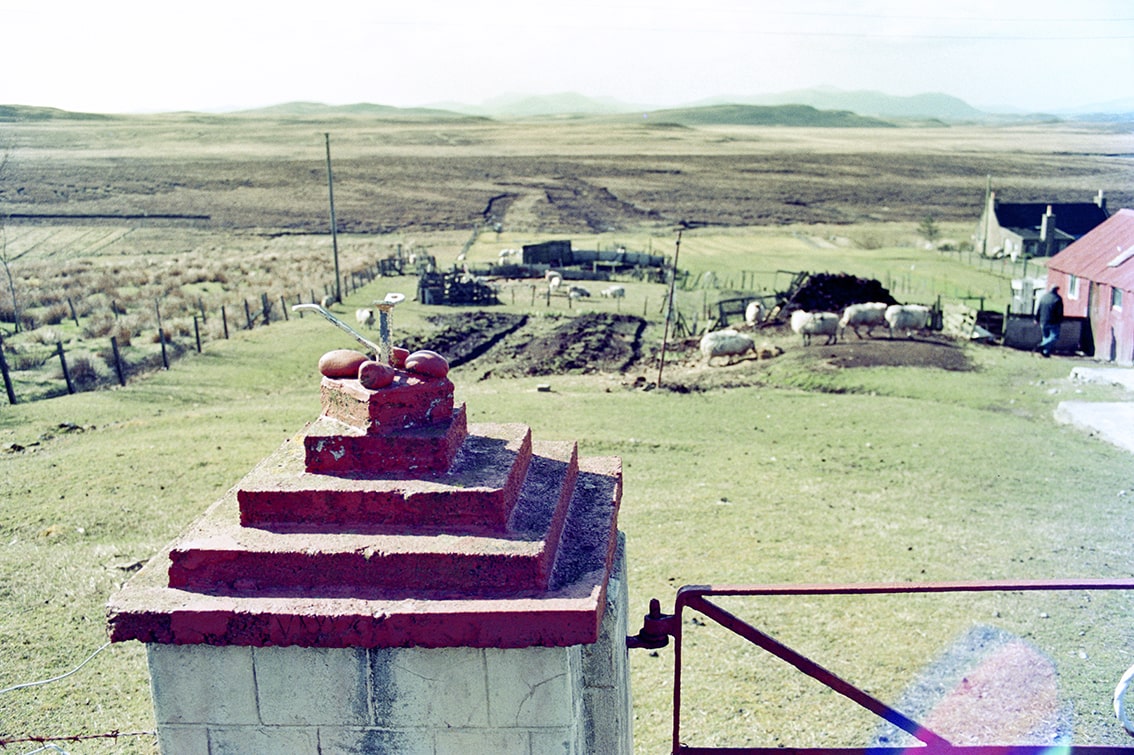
[(658, 625)]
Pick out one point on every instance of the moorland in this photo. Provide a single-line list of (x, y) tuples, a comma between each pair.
[(828, 464)]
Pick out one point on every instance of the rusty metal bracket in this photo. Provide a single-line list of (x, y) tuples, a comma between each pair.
[(657, 628)]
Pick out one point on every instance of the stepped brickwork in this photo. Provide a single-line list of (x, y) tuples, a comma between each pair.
[(391, 522)]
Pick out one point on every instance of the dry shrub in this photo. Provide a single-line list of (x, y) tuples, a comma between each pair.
[(44, 336), (56, 313), (82, 369), (106, 325), (29, 357)]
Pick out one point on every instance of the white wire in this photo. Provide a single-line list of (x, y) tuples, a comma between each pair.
[(56, 678), (45, 748), (1120, 700)]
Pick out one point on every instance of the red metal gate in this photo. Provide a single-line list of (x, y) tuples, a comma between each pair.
[(658, 628)]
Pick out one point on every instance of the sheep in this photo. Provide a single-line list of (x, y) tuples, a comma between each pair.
[(869, 314), (365, 317), (754, 313), (554, 280), (578, 292), (907, 317), (613, 292), (327, 301), (725, 343), (507, 253), (809, 324)]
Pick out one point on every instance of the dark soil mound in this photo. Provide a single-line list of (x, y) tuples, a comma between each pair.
[(938, 353), (828, 292), (588, 343), (463, 337)]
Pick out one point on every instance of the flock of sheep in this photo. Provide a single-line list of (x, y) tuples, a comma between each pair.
[(901, 318)]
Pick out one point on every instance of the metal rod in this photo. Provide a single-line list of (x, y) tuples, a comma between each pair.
[(373, 347)]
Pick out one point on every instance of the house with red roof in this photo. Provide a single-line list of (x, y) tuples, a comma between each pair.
[(1095, 275)]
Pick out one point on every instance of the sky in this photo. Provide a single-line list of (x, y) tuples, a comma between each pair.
[(126, 56)]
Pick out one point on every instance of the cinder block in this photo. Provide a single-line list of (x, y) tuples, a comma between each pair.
[(477, 741), (174, 739), (534, 687), (429, 687), (312, 686), (605, 662), (608, 721), (263, 740), (355, 741), (195, 684), (559, 742)]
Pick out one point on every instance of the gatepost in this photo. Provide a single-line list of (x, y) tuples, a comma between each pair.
[(394, 580)]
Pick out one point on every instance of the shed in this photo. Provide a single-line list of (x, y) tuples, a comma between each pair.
[(1096, 277), (1035, 229)]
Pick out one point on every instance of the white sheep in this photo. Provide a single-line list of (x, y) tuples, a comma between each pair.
[(870, 314), (809, 324), (725, 343), (907, 317), (613, 292), (554, 280), (508, 253), (754, 313), (327, 301), (364, 317)]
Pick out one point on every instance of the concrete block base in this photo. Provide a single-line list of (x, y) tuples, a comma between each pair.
[(524, 701)]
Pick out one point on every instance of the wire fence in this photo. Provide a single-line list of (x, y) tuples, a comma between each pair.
[(47, 742), (119, 343)]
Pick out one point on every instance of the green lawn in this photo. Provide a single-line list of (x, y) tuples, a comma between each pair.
[(887, 474)]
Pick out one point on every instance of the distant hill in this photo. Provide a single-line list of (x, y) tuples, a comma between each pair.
[(869, 103), (534, 106), (757, 115), (11, 113), (319, 109)]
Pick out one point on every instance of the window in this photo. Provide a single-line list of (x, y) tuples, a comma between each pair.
[(1073, 286), (1116, 298)]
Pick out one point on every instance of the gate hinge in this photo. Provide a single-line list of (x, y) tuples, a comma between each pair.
[(657, 627)]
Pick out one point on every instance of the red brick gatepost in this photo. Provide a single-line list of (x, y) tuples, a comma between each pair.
[(393, 579)]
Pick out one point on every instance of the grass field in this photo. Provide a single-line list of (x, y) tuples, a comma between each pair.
[(785, 470), (888, 474)]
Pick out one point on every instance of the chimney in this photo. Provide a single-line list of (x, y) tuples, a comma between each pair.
[(1047, 233)]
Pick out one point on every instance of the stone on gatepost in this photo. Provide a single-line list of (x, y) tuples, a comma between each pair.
[(394, 579)]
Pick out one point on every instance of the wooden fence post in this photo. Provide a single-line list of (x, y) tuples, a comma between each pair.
[(161, 336), (63, 364), (197, 332), (118, 361), (74, 315), (7, 377), (266, 306), (201, 307), (248, 315), (224, 321), (283, 307)]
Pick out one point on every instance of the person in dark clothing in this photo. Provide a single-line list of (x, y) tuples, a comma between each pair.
[(1050, 316)]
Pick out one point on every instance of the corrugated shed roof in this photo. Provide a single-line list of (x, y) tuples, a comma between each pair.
[(1105, 255), (1073, 218)]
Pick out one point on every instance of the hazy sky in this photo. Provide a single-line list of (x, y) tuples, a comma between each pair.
[(158, 55)]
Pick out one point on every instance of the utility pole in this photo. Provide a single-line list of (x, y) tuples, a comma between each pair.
[(669, 306), (334, 225)]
